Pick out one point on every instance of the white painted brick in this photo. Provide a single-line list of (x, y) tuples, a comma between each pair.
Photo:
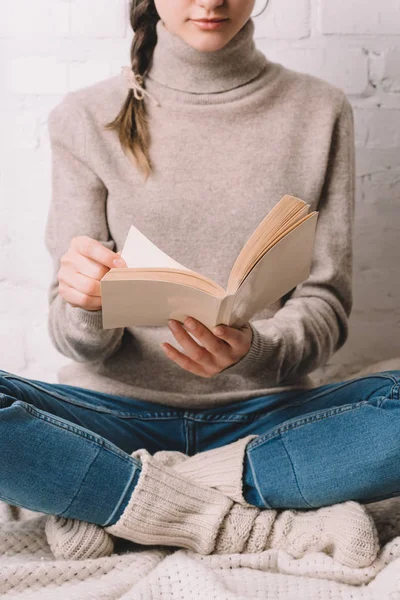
[(385, 69), (391, 71), (380, 127), (382, 191), (99, 18), (347, 69), (286, 19), (344, 67), (86, 73), (360, 17), (375, 160), (37, 75), (12, 356), (29, 19), (376, 67), (24, 131), (361, 128)]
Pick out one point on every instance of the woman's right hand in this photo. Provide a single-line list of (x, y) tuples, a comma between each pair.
[(82, 267)]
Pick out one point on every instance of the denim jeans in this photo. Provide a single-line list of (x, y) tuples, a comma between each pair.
[(65, 450)]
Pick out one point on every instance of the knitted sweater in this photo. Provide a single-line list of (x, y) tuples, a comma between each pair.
[(232, 134)]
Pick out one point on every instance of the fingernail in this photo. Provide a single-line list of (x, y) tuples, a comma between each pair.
[(118, 262)]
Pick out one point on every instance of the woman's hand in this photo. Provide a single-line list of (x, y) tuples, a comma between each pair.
[(82, 268), (217, 352)]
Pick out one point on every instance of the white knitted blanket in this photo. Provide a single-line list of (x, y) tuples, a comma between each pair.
[(28, 570)]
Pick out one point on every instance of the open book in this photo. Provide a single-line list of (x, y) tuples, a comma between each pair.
[(154, 288)]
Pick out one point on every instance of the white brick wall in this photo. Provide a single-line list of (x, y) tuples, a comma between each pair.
[(48, 47)]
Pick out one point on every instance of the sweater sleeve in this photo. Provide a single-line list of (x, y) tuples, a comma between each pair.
[(313, 322), (77, 207)]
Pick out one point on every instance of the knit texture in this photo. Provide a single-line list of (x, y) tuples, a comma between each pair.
[(77, 540), (346, 531), (246, 123), (167, 508), (220, 468), (29, 570)]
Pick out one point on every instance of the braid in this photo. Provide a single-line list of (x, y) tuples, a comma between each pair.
[(131, 123)]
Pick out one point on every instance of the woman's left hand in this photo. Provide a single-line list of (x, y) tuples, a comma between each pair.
[(217, 352)]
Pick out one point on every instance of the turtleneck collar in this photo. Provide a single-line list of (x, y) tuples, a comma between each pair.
[(179, 66)]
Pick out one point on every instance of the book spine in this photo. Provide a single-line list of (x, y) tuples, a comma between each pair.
[(225, 309)]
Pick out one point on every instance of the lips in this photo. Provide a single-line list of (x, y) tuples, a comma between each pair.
[(209, 20)]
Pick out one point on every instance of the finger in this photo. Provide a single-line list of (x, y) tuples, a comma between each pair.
[(184, 361), (79, 282), (217, 347), (121, 261), (95, 250), (76, 298), (230, 335), (90, 268), (197, 353)]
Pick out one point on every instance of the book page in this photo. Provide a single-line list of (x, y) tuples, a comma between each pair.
[(139, 251), (283, 215), (282, 268)]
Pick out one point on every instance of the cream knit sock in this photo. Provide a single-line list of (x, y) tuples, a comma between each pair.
[(220, 468), (346, 531), (169, 509), (77, 540), (71, 538)]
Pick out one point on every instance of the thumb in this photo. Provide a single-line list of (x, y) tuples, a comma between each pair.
[(119, 258)]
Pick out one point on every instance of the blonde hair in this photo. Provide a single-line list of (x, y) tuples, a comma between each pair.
[(131, 123)]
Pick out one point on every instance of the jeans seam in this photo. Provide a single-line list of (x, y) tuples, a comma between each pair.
[(121, 498), (169, 414), (67, 426), (82, 482), (294, 472), (305, 420), (264, 502), (237, 417)]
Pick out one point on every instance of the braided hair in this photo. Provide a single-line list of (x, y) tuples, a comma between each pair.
[(131, 123)]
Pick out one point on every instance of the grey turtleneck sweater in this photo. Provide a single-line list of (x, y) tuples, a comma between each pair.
[(233, 133)]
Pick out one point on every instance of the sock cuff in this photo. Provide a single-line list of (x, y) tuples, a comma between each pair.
[(167, 508), (220, 468)]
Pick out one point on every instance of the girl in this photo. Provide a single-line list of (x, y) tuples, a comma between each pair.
[(180, 435)]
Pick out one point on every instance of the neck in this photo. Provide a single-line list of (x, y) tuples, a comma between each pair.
[(179, 66)]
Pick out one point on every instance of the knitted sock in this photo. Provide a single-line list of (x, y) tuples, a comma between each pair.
[(346, 531), (77, 540), (220, 468), (169, 509)]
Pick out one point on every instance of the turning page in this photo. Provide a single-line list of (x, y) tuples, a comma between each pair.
[(139, 251)]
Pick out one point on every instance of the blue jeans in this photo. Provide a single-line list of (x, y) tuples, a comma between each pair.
[(65, 450)]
